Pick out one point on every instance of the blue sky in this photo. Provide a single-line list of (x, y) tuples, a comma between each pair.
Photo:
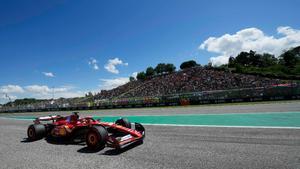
[(68, 38)]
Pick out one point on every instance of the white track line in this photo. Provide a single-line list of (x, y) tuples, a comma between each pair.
[(12, 118), (221, 126), (202, 114)]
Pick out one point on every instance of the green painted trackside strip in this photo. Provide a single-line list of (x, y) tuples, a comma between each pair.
[(270, 119), (287, 119)]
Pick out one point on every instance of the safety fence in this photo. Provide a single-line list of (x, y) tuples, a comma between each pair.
[(278, 92)]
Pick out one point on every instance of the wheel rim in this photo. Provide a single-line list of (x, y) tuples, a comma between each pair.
[(30, 133), (92, 138)]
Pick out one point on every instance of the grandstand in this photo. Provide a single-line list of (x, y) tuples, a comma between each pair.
[(195, 79), (195, 85)]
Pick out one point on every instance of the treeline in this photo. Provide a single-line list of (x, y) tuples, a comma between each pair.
[(162, 68), (24, 101), (287, 65)]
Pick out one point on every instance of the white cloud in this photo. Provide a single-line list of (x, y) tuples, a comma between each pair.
[(108, 84), (134, 74), (250, 39), (38, 92), (38, 89), (48, 74), (8, 97), (43, 89), (45, 92), (11, 89), (112, 63), (94, 63)]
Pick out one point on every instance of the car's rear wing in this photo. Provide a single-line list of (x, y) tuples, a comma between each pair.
[(46, 118)]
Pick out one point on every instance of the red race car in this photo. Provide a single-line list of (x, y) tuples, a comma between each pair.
[(95, 133)]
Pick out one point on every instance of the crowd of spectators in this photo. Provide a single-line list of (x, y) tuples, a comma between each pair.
[(190, 80), (196, 79), (116, 92)]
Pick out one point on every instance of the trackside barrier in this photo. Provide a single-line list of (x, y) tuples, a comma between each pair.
[(278, 92), (184, 102)]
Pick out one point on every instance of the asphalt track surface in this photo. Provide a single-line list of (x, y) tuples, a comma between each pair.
[(164, 146)]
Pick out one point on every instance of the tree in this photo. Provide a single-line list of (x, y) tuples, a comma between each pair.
[(150, 71), (160, 68), (141, 76), (288, 59), (131, 79), (231, 61), (254, 59), (89, 94), (268, 60), (208, 66), (296, 51), (170, 68), (242, 58), (188, 64)]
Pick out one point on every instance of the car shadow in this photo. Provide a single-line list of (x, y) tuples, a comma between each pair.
[(110, 152), (26, 140), (62, 141), (115, 152), (56, 141), (87, 150)]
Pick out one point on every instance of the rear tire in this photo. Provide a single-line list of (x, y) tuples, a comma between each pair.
[(96, 138), (36, 132), (123, 122)]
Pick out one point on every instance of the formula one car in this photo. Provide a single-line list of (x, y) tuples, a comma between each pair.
[(95, 133)]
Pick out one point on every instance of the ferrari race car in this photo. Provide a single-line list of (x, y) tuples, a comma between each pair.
[(95, 133)]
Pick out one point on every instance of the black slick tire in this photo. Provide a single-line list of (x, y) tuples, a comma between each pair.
[(36, 132), (96, 138)]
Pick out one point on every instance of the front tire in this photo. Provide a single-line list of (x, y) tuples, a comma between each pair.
[(96, 138), (123, 122), (36, 132), (140, 128)]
